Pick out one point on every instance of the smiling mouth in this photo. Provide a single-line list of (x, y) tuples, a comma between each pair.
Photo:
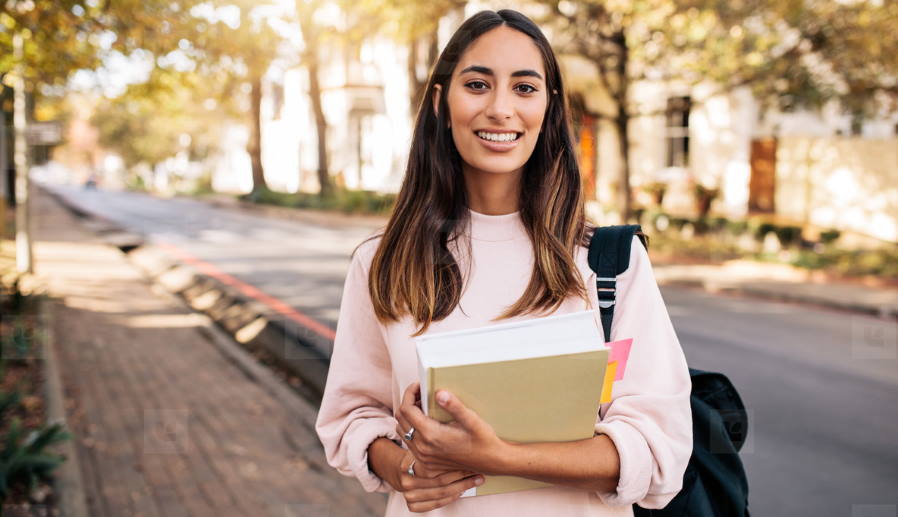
[(499, 140)]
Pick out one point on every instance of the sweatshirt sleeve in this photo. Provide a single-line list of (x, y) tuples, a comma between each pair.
[(649, 418), (356, 407)]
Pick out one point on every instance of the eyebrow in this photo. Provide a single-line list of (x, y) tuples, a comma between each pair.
[(489, 71)]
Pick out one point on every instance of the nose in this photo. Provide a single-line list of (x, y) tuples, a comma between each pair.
[(500, 106)]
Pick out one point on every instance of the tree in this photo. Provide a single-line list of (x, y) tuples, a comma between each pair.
[(56, 35), (56, 42), (405, 21), (313, 37), (147, 124), (210, 42), (786, 51), (414, 24), (245, 51), (62, 36), (42, 42)]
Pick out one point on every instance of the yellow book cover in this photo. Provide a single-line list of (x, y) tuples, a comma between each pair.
[(538, 380)]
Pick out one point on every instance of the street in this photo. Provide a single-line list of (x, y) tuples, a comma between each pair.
[(822, 398)]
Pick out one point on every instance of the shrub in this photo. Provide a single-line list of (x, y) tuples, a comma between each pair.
[(830, 236), (349, 201), (788, 235), (737, 227), (23, 459), (763, 229)]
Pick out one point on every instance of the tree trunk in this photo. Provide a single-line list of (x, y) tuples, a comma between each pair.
[(3, 170), (24, 258), (415, 87), (254, 147), (433, 49), (320, 123), (622, 121)]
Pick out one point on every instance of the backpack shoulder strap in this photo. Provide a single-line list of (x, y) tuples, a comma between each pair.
[(609, 256)]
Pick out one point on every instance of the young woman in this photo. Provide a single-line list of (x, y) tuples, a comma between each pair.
[(489, 227)]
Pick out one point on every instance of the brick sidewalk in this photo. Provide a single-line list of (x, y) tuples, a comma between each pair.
[(165, 425)]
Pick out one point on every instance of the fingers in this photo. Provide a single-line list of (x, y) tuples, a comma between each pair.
[(442, 480), (426, 499), (427, 469), (411, 413), (403, 422)]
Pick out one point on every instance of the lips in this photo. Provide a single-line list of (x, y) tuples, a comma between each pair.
[(517, 134), (499, 146)]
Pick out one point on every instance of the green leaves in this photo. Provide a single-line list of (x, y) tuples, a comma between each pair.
[(25, 461), (146, 123), (793, 53)]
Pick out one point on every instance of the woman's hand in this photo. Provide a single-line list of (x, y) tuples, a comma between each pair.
[(431, 489), (467, 444)]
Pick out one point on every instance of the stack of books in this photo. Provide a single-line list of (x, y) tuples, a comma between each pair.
[(539, 380)]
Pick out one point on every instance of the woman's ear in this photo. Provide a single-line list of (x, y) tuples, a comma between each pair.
[(437, 91)]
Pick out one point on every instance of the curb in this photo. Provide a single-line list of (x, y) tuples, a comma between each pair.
[(322, 217), (67, 481), (255, 328), (108, 231), (880, 311)]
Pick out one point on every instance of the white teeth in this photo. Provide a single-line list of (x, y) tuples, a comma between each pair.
[(497, 137)]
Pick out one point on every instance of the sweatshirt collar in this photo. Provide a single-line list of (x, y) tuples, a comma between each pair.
[(495, 228)]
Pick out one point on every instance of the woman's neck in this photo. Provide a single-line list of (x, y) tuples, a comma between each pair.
[(493, 193)]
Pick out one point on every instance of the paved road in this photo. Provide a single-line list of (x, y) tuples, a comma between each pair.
[(821, 386)]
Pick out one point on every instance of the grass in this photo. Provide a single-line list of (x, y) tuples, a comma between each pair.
[(346, 201)]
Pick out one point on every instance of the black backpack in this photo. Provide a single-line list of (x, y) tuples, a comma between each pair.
[(714, 483)]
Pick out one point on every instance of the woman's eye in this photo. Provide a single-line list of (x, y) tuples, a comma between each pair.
[(480, 86)]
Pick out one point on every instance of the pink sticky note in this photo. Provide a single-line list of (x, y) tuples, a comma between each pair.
[(620, 351)]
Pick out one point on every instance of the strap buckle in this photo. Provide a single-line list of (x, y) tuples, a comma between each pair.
[(606, 289)]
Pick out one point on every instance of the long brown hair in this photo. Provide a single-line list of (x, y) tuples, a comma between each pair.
[(413, 271)]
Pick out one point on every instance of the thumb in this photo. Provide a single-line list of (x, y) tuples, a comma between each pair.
[(454, 407)]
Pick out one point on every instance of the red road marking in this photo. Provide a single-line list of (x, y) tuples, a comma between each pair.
[(250, 291)]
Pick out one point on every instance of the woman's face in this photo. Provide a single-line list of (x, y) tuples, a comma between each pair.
[(497, 101)]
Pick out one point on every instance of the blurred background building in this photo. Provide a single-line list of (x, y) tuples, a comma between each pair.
[(725, 112)]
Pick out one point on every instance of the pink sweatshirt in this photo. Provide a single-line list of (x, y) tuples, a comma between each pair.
[(648, 419)]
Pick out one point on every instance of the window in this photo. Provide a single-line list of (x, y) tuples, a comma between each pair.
[(677, 131)]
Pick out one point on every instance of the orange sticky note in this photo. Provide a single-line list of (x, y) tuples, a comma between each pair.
[(610, 374)]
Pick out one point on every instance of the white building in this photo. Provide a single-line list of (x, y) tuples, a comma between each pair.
[(806, 168)]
